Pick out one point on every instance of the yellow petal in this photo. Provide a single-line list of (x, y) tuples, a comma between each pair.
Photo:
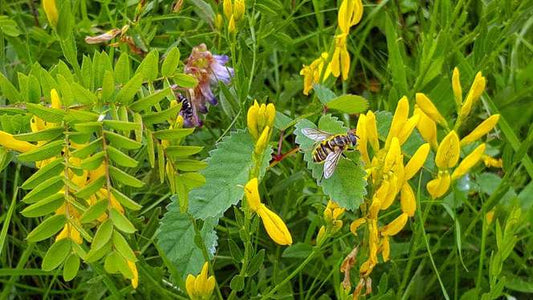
[(345, 63), (239, 8), (398, 120), (56, 101), (355, 225), (219, 22), (385, 248), (252, 120), (483, 128), (417, 161), (408, 200), (345, 15), (439, 186), (274, 226), (391, 193), (135, 279), (372, 131), (357, 12), (334, 65), (468, 162), (492, 162), (210, 286), (262, 141), (429, 109), (362, 146), (448, 152), (270, 115), (408, 128), (427, 127), (477, 88), (395, 226), (50, 9), (251, 192), (456, 85), (227, 8), (11, 143), (231, 25), (392, 155), (189, 285)]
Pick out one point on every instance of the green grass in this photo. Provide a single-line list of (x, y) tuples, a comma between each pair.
[(400, 48)]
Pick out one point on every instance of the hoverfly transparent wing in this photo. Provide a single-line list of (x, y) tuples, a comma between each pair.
[(330, 164), (315, 134)]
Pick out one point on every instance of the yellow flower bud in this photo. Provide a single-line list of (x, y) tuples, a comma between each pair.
[(56, 101), (219, 22), (468, 162), (231, 25), (274, 226), (408, 200), (398, 120), (489, 216), (408, 128), (417, 161), (50, 9), (262, 141), (270, 115), (251, 192), (350, 13), (448, 152), (429, 109), (439, 186), (427, 127), (395, 226), (252, 120), (372, 131), (239, 9), (11, 143), (321, 236), (385, 248), (478, 86), (227, 7), (483, 128), (135, 279), (201, 286), (456, 85), (355, 225), (361, 130)]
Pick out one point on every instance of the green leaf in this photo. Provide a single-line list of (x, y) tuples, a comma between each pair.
[(121, 222), (121, 142), (186, 81), (93, 162), (162, 116), (149, 66), (255, 263), (323, 93), (123, 68), (192, 180), (147, 102), (88, 127), (44, 206), (83, 95), (52, 115), (95, 254), (44, 152), (124, 177), (237, 283), (71, 267), (172, 134), (121, 125), (182, 151), (45, 189), (9, 90), (127, 92), (176, 238), (125, 200), (94, 211), (103, 235), (122, 246), (170, 64), (89, 149), (227, 173), (47, 228), (108, 86), (91, 188), (396, 64), (120, 158), (56, 254), (48, 171), (189, 165), (347, 184), (350, 104), (43, 135)]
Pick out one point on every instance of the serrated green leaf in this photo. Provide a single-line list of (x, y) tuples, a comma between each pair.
[(127, 92), (103, 235), (94, 211), (89, 149), (121, 125), (91, 188), (120, 158), (43, 135), (172, 134), (171, 62), (45, 189), (121, 142), (347, 185), (43, 152), (186, 81), (72, 265), (162, 116), (149, 67), (47, 228), (44, 206), (182, 151), (48, 171), (350, 104), (124, 177), (121, 222), (125, 200), (176, 238), (93, 162), (226, 174), (122, 246), (147, 102), (56, 254)]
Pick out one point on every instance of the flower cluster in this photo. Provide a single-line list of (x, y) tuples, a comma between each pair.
[(209, 69), (350, 13), (200, 287), (332, 215), (233, 13), (448, 150)]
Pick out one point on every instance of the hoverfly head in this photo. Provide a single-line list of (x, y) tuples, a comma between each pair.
[(353, 137)]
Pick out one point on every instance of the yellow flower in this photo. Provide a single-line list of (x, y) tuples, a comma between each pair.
[(492, 162), (227, 7), (350, 13), (56, 101), (231, 25), (201, 286), (398, 120), (313, 72), (468, 162), (417, 161), (71, 233), (456, 85), (11, 143), (135, 279), (262, 141), (408, 200), (429, 109), (372, 131), (251, 192), (448, 152), (333, 211), (483, 128), (478, 86), (340, 61), (395, 226), (439, 186), (361, 129), (259, 117), (50, 9), (238, 9), (427, 127), (490, 216), (356, 224), (219, 22), (385, 248)]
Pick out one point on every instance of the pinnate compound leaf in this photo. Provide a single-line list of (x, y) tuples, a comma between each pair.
[(226, 174), (347, 186), (176, 238)]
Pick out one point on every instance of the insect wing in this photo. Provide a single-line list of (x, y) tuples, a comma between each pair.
[(315, 134), (331, 162)]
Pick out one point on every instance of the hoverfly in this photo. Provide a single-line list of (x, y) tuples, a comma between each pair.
[(330, 147), (186, 108)]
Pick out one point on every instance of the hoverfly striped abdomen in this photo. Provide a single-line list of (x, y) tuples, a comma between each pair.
[(186, 107)]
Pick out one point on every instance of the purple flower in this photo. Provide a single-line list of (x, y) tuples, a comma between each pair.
[(209, 70)]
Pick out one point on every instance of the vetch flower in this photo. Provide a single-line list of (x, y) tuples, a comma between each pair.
[(209, 70), (260, 117), (340, 61), (11, 143), (274, 225), (200, 286), (481, 130), (332, 215), (238, 9), (312, 73), (350, 13)]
